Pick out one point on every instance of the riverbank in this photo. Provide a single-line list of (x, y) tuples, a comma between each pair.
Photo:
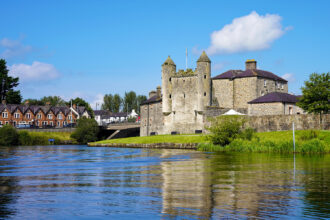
[(307, 141)]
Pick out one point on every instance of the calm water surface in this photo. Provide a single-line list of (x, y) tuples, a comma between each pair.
[(77, 182)]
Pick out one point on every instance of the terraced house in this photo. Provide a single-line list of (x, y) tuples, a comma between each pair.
[(40, 116)]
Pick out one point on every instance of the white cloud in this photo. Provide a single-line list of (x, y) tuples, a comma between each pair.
[(97, 100), (13, 48), (36, 72), (289, 77), (248, 33)]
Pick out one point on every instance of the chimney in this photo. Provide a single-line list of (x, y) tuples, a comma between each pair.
[(26, 102), (47, 103), (250, 64), (159, 94), (4, 102), (74, 106), (152, 93)]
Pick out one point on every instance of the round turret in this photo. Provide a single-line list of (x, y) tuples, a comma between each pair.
[(168, 70)]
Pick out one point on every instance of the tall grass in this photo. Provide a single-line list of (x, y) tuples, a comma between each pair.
[(42, 138), (307, 142)]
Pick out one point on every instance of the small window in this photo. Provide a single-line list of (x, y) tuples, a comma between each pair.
[(204, 76), (282, 86), (49, 116), (28, 115), (265, 83), (170, 96), (16, 115), (39, 116), (184, 95), (204, 93), (170, 79)]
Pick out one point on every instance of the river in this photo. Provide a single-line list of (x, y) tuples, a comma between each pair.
[(79, 182)]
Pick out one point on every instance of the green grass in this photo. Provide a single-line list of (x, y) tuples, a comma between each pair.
[(308, 141), (157, 139), (276, 142)]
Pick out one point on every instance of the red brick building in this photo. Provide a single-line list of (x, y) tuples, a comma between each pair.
[(40, 116)]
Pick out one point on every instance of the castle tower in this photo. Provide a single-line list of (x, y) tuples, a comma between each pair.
[(204, 81), (168, 69)]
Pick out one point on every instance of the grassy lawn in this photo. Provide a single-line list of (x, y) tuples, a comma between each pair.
[(157, 139), (276, 141)]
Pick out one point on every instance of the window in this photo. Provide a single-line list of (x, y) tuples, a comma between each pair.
[(204, 93), (70, 117), (28, 116), (51, 123), (14, 123), (204, 76), (278, 84), (59, 116), (170, 96), (184, 95), (49, 116), (5, 114), (265, 83), (65, 123), (282, 86), (16, 115), (39, 116), (290, 110), (44, 123), (7, 122), (170, 79)]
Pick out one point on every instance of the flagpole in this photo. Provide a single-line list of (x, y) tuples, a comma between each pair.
[(186, 58)]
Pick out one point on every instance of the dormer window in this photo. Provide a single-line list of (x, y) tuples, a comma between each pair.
[(39, 116), (16, 115), (28, 116)]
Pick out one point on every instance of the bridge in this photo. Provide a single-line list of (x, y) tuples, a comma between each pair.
[(120, 130)]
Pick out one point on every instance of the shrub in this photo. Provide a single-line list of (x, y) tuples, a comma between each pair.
[(8, 136), (86, 131), (247, 134), (225, 129), (24, 138)]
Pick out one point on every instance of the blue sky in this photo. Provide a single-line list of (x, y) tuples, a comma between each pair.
[(91, 48)]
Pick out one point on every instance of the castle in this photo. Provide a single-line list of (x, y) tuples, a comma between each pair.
[(187, 97)]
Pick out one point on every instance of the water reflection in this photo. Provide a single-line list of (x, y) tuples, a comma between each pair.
[(77, 181)]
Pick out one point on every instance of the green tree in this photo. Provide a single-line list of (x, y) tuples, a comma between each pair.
[(33, 102), (108, 102), (14, 97), (8, 136), (130, 101), (316, 94), (81, 102), (117, 102), (87, 131), (139, 100), (53, 100), (7, 85)]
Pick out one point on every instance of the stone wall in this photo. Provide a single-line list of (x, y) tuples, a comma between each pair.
[(284, 122), (244, 91), (271, 86), (275, 108), (223, 92), (151, 119)]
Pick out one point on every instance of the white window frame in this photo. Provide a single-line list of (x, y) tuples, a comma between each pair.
[(265, 83), (50, 116), (28, 115), (5, 114), (16, 115), (59, 116), (70, 117), (282, 86), (39, 116)]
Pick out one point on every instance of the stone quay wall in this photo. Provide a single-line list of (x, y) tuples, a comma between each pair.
[(188, 146), (284, 122)]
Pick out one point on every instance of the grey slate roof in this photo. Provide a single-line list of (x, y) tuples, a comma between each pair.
[(276, 97), (151, 100), (232, 74), (35, 109)]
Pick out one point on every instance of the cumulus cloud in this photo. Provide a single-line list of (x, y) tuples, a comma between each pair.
[(248, 33), (13, 48), (36, 72), (289, 77)]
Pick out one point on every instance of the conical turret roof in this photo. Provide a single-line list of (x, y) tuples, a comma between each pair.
[(203, 58), (169, 61)]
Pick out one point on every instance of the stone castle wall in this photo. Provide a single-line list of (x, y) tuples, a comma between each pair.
[(155, 123), (223, 93)]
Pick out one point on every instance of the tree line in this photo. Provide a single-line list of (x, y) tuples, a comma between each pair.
[(115, 103)]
